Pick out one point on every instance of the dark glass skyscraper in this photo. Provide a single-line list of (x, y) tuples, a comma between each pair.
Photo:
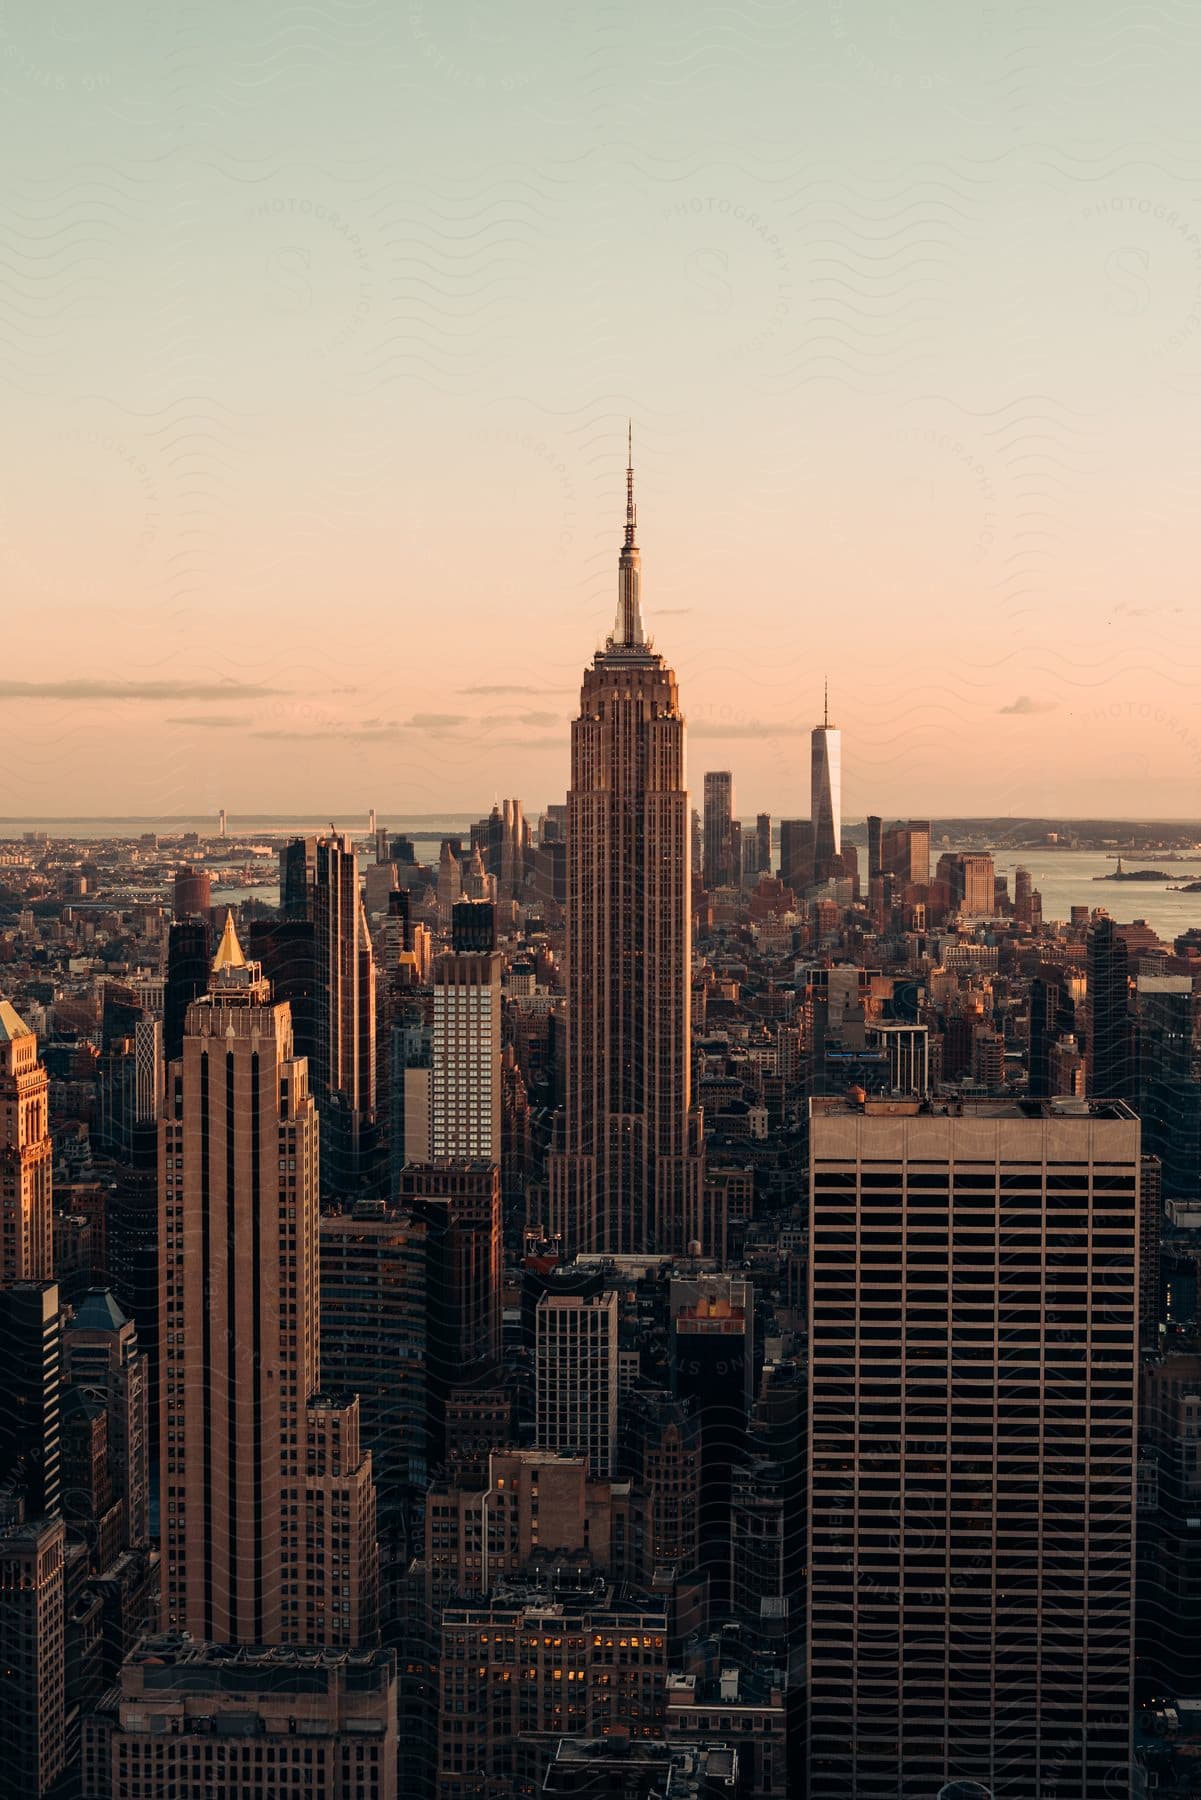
[(343, 1067), (1168, 1092), (188, 959), (826, 798), (719, 867), (1110, 1042), (875, 864), (30, 1426), (1052, 1016)]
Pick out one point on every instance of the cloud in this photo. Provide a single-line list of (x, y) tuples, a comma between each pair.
[(368, 730), (90, 689), (330, 733), (552, 741), (751, 728), (526, 718), (1024, 704), (209, 721), (508, 687)]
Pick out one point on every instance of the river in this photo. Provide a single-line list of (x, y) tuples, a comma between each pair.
[(1065, 878)]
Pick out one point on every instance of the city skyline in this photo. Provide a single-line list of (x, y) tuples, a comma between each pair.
[(573, 1301), (600, 1204)]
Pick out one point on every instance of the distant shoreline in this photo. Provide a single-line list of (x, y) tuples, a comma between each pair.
[(1109, 831)]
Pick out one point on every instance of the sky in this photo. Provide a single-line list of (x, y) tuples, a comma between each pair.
[(321, 322)]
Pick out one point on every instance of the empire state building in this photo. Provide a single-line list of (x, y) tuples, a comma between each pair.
[(627, 1173)]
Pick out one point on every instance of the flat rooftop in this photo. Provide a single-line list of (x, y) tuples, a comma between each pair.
[(178, 1650), (841, 1106)]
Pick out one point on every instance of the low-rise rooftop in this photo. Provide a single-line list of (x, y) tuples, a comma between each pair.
[(974, 1107)]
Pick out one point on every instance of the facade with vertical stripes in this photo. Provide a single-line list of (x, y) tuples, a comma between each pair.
[(627, 1173), (258, 1467)]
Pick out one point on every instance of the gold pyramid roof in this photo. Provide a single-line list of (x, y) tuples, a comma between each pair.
[(229, 950), (12, 1025)]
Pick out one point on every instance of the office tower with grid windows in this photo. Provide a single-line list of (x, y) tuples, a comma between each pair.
[(32, 1658), (627, 1171), (575, 1377), (971, 878), (970, 1454), (904, 852), (465, 1066)]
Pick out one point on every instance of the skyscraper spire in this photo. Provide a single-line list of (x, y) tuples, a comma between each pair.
[(629, 632), (826, 704)]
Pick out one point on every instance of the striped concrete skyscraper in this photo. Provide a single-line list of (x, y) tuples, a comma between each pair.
[(973, 1358)]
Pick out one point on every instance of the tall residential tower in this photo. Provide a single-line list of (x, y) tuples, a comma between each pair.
[(465, 1076)]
